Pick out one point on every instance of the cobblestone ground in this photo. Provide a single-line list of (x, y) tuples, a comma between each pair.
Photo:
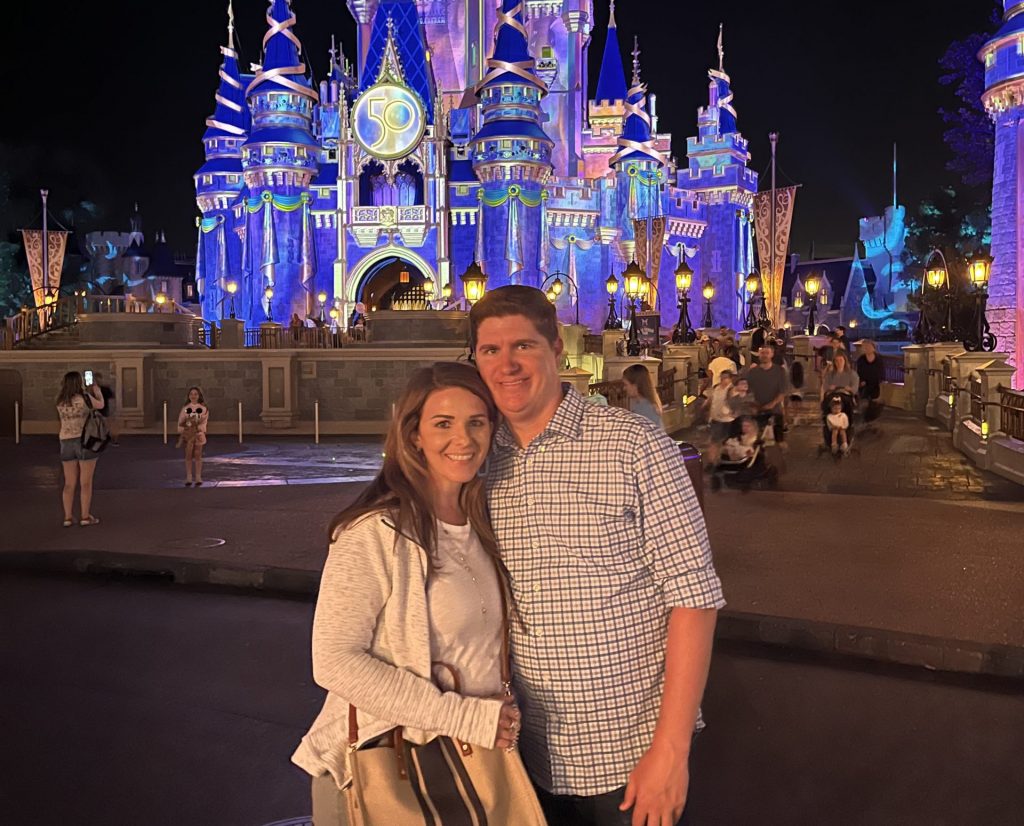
[(901, 455)]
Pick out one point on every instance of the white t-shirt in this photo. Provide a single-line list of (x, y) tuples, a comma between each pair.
[(464, 603), (719, 364), (838, 421)]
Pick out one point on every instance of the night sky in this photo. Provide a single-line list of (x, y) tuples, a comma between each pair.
[(121, 89)]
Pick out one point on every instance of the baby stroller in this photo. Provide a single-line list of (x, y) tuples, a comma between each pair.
[(751, 471), (848, 402)]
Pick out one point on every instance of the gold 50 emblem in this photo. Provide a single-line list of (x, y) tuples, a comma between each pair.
[(388, 121)]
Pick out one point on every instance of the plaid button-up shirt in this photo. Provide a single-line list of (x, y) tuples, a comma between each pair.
[(602, 534)]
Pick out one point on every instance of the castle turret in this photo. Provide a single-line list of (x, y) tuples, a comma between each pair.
[(280, 159), (219, 182), (1004, 100), (639, 178), (719, 177), (511, 156), (611, 81)]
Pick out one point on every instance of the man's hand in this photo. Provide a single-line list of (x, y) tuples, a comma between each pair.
[(658, 786)]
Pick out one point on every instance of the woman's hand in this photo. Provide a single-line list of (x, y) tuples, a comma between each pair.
[(509, 724)]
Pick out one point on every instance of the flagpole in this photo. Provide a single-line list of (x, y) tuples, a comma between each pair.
[(774, 138), (46, 249)]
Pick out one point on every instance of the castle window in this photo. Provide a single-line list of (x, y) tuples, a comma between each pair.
[(332, 155), (268, 150), (547, 52), (207, 180), (990, 60)]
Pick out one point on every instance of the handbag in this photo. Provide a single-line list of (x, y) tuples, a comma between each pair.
[(96, 431), (445, 781)]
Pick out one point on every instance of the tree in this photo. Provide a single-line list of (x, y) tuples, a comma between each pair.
[(970, 134)]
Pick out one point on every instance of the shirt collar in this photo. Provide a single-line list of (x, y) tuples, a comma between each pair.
[(567, 421)]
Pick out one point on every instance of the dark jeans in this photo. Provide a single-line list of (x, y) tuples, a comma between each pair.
[(778, 424), (597, 810)]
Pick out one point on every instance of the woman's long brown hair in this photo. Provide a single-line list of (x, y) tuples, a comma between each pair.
[(401, 488), (637, 374), (71, 386)]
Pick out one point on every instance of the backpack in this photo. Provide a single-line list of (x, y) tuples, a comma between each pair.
[(96, 433)]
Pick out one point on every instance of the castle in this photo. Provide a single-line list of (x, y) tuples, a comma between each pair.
[(465, 134)]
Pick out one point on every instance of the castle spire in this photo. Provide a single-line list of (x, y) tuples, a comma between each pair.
[(636, 141), (230, 115), (721, 49), (611, 82), (720, 96), (283, 69), (511, 59)]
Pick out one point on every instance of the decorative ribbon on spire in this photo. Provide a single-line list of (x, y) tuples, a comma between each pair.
[(722, 83), (636, 132), (523, 67), (279, 75), (230, 84)]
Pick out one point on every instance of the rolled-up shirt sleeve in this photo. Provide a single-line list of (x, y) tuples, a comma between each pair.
[(675, 538)]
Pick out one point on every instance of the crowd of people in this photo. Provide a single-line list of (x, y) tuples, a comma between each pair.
[(746, 395)]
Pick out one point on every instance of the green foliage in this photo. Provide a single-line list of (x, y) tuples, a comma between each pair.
[(959, 223)]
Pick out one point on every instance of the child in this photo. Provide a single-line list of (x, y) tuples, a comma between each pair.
[(743, 446), (721, 416), (838, 422)]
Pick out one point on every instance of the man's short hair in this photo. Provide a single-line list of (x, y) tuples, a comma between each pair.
[(515, 299)]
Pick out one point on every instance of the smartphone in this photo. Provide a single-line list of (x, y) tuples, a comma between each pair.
[(88, 378)]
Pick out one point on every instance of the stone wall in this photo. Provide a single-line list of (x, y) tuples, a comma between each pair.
[(278, 389), (1004, 289)]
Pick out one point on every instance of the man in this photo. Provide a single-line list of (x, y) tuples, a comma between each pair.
[(615, 590), (843, 338), (768, 384), (107, 411)]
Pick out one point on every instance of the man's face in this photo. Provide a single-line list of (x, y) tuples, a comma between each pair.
[(519, 366), (764, 356)]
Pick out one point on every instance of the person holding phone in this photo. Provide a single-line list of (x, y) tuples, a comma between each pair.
[(74, 403), (192, 434)]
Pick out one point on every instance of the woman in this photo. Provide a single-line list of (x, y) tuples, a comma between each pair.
[(643, 399), (870, 371), (73, 406), (839, 376), (412, 580), (192, 422)]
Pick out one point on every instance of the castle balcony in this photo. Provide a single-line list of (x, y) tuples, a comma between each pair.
[(411, 223)]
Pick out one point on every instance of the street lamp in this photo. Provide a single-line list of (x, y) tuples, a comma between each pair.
[(812, 286), (752, 283), (937, 275), (474, 282), (446, 292), (269, 294), (321, 297), (232, 288), (161, 299), (557, 287), (708, 292), (979, 268), (683, 332), (613, 322), (632, 280)]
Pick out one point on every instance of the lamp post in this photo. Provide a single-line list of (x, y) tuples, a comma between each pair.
[(556, 288), (752, 283), (763, 321), (937, 275), (613, 322), (269, 294), (446, 292), (161, 299), (232, 288), (812, 286), (979, 268), (683, 332), (632, 284), (321, 297), (474, 283), (708, 292)]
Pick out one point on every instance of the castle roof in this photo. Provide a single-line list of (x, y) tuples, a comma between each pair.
[(502, 127), (511, 60), (230, 118), (282, 69), (635, 141), (407, 36), (161, 261), (611, 82), (221, 164)]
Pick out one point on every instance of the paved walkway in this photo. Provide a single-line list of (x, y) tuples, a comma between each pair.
[(929, 573)]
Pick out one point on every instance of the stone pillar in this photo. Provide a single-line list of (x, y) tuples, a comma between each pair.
[(690, 352), (678, 357), (232, 334), (578, 378), (615, 367), (963, 365), (271, 337), (572, 338), (935, 354), (280, 390), (609, 338), (915, 369), (134, 379), (993, 375)]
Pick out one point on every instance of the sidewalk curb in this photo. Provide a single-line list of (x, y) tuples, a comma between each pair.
[(853, 641)]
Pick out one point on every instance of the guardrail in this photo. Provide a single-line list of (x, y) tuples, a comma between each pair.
[(893, 369), (1011, 412), (666, 387), (614, 391), (304, 338)]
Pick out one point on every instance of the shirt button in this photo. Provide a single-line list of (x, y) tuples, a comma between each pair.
[(536, 587), (529, 500), (539, 632)]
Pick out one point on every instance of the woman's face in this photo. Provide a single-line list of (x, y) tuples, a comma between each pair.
[(193, 396), (454, 434), (631, 389)]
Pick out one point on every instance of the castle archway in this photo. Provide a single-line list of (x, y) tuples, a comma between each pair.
[(390, 278)]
